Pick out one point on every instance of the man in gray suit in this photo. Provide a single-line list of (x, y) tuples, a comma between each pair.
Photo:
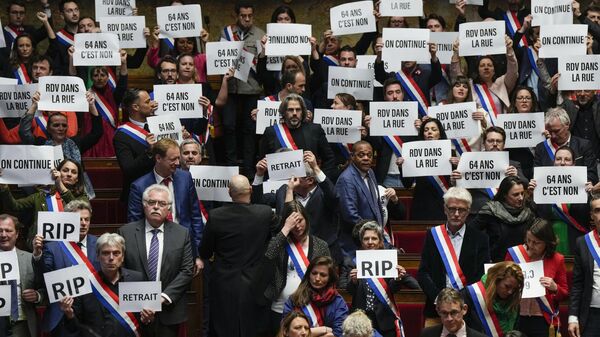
[(23, 321), (162, 251)]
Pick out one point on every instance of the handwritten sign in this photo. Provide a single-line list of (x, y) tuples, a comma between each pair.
[(5, 300), (15, 100), (352, 18), (444, 42), (166, 126), (26, 164), (72, 281), (393, 118), (9, 266), (379, 263), (221, 56), (457, 119), (267, 115), (341, 126), (212, 182), (62, 93), (551, 12), (284, 165), (137, 296), (243, 65), (179, 99), (271, 186), (579, 72), (130, 33), (405, 44), (58, 226), (560, 184), (356, 82), (482, 38), (404, 8), (532, 287), (288, 39), (482, 169), (563, 40), (179, 21), (427, 158), (114, 8), (522, 130), (92, 49)]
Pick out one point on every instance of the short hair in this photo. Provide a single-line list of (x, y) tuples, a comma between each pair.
[(437, 122), (287, 321), (360, 142), (348, 48), (567, 148), (289, 77), (281, 10), (559, 113), (593, 197), (78, 205), (357, 324), (41, 58), (61, 5), (449, 295), (347, 100), (162, 146), (458, 193), (390, 81), (15, 220), (494, 63), (292, 97), (243, 4), (495, 129), (110, 239), (157, 188), (543, 230), (188, 142), (130, 97), (15, 3), (439, 18), (514, 333), (358, 231), (513, 99), (592, 8)]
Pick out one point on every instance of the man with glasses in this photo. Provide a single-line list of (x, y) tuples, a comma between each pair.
[(16, 25), (451, 308), (453, 254), (585, 115)]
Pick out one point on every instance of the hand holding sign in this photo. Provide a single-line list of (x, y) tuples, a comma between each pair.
[(378, 263), (58, 226)]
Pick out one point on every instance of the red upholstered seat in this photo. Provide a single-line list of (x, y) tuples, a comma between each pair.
[(410, 241), (412, 318)]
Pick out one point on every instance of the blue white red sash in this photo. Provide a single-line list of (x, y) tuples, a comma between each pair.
[(487, 101), (42, 123), (203, 212), (135, 132), (491, 192), (550, 148), (486, 313), (105, 109), (381, 290), (563, 213), (513, 25), (283, 135), (12, 35), (518, 254), (346, 149), (461, 145), (54, 202), (448, 254), (272, 98), (65, 38), (298, 257), (313, 314), (440, 183), (170, 42), (592, 240), (230, 35), (395, 142), (331, 60), (107, 297), (414, 92), (532, 57), (21, 75), (112, 78)]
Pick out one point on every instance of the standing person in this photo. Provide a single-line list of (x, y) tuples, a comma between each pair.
[(584, 115), (237, 236)]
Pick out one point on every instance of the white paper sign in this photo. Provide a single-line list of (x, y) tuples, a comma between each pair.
[(2, 41), (8, 81), (404, 8), (393, 118), (220, 56), (288, 39), (179, 99), (62, 93), (532, 287), (267, 115), (427, 158), (179, 21), (444, 42), (340, 126), (243, 65), (271, 186), (9, 266), (469, 2), (482, 38), (130, 32), (482, 169), (352, 18), (284, 165), (58, 155), (560, 184), (114, 8), (26, 164), (274, 63), (356, 82), (405, 44), (551, 12), (5, 300), (378, 263), (457, 119), (72, 281), (137, 296), (15, 100), (212, 182), (522, 130), (92, 49), (579, 72), (166, 126), (58, 226), (368, 62), (563, 40)]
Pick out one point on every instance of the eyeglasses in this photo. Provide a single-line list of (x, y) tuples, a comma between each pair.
[(153, 203), (453, 314), (168, 71), (494, 141), (460, 210), (524, 98)]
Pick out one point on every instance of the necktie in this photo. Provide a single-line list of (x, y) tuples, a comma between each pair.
[(153, 255), (14, 301), (146, 127), (166, 182)]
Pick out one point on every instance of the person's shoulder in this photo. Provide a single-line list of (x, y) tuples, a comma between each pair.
[(132, 226), (474, 333), (130, 275), (24, 253), (318, 242), (431, 331)]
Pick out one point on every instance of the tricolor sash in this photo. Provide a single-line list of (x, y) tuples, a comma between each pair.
[(65, 38), (313, 314), (283, 135), (298, 257), (231, 35), (592, 240), (21, 74), (272, 98), (414, 92), (203, 212), (518, 254), (12, 35), (491, 192), (42, 123), (440, 183), (563, 213), (461, 145), (513, 25), (107, 297), (381, 290), (210, 126), (487, 101), (346, 149), (550, 148), (135, 132), (54, 202), (112, 78), (532, 57), (486, 313), (170, 42), (331, 60), (395, 142), (105, 109), (448, 254)]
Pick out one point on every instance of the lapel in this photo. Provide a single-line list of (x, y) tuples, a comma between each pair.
[(363, 187), (91, 248), (140, 240)]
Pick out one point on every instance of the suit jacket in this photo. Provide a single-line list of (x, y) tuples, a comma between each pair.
[(176, 265), (134, 160), (436, 331), (584, 156), (581, 288), (186, 203), (474, 253), (546, 99), (28, 281), (574, 110)]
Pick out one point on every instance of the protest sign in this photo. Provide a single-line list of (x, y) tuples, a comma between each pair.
[(8, 81), (284, 165), (137, 296), (522, 130), (92, 49), (352, 18), (212, 182), (130, 33), (579, 72), (221, 56), (427, 158), (58, 155), (271, 186), (58, 226), (15, 100), (274, 63), (378, 263), (405, 44), (457, 119), (62, 93), (356, 82), (560, 184), (9, 266), (393, 118), (444, 42), (267, 115), (179, 99), (482, 169), (482, 38), (340, 126), (166, 126), (551, 12), (562, 40), (72, 281), (179, 21), (368, 62), (26, 164), (116, 8), (405, 8), (243, 65), (288, 39), (532, 272), (5, 299)]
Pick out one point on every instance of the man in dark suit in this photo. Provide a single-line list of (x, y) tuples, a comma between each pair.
[(49, 256), (558, 126), (306, 136), (451, 307), (185, 210), (162, 251), (237, 236), (470, 246), (584, 304)]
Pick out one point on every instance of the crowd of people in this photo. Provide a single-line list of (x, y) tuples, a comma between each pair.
[(272, 262)]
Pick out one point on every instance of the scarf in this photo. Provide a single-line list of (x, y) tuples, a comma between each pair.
[(506, 317), (322, 298), (509, 215)]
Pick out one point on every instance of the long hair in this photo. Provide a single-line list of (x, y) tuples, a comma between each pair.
[(291, 207), (287, 322), (437, 122), (283, 9), (15, 58), (499, 272), (460, 80), (303, 295), (79, 186), (543, 231), (513, 99), (477, 78), (505, 185)]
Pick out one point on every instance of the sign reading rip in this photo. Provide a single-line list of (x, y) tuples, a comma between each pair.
[(380, 263), (72, 281)]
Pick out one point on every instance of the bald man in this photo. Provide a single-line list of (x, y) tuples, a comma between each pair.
[(237, 234)]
